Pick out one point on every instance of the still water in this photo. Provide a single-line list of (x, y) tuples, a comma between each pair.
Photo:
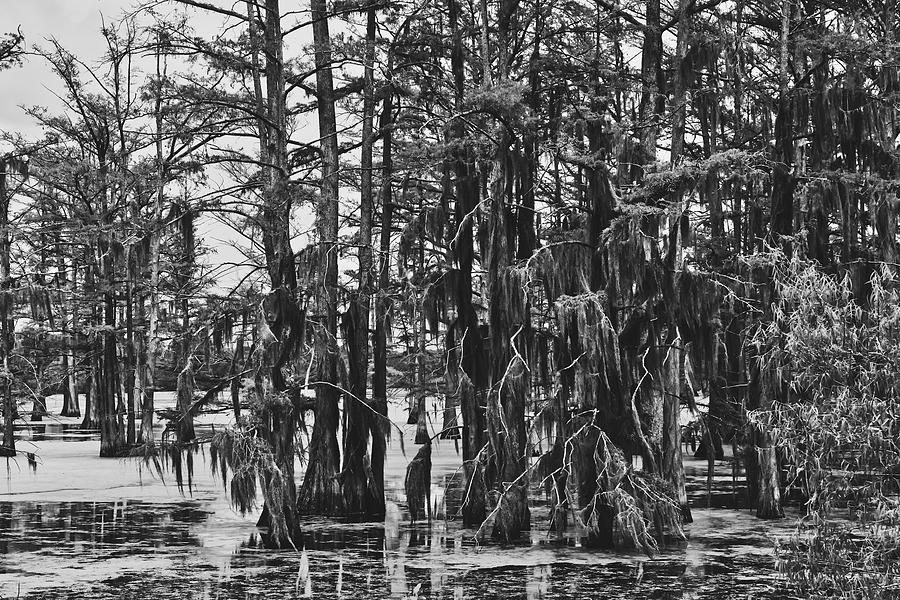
[(84, 527)]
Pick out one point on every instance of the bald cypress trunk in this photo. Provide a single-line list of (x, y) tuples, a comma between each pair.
[(511, 337), (362, 494), (473, 370), (672, 468), (130, 350), (652, 100), (321, 492), (510, 314), (762, 457), (8, 447), (90, 419), (380, 426), (782, 203), (112, 426), (153, 259), (68, 306), (277, 415), (185, 381), (528, 165)]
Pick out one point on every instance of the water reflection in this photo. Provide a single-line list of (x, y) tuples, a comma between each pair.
[(85, 527), (200, 549), (65, 432), (348, 560)]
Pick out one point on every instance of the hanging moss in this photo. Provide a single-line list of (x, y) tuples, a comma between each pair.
[(434, 301), (563, 268), (590, 357), (250, 461), (307, 265), (633, 259), (38, 298), (411, 238), (179, 459), (435, 219), (697, 315), (286, 322)]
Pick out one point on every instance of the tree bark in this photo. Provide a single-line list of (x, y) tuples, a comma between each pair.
[(6, 323), (279, 417), (672, 466), (362, 494), (526, 237), (68, 302), (130, 353), (184, 392), (380, 426), (321, 492), (473, 376), (112, 428), (153, 340), (652, 100)]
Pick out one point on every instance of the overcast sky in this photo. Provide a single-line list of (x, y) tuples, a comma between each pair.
[(75, 23)]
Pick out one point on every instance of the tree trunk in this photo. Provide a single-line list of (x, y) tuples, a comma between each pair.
[(153, 340), (321, 492), (140, 343), (380, 426), (782, 205), (761, 391), (420, 395), (279, 418), (510, 394), (6, 322), (91, 398), (112, 429), (362, 495), (526, 236), (672, 465), (39, 405), (768, 500), (130, 354), (510, 315), (71, 406), (652, 100), (473, 376), (185, 382)]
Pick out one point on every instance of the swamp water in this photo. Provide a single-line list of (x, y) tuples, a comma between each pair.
[(84, 527)]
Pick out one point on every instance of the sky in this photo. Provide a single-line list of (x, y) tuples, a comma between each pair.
[(76, 25)]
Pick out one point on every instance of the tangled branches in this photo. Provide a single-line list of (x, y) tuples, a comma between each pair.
[(838, 358)]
